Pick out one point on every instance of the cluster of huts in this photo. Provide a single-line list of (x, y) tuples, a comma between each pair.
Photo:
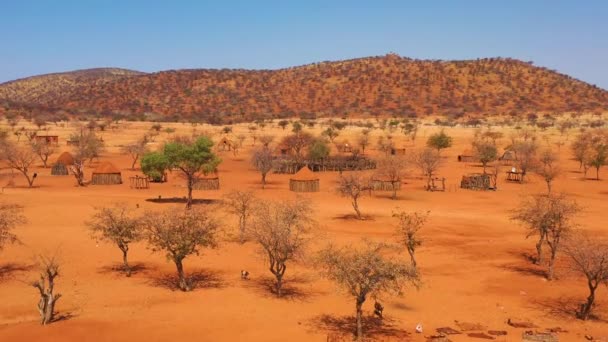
[(104, 174)]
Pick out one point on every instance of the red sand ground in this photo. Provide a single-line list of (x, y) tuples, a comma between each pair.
[(472, 261)]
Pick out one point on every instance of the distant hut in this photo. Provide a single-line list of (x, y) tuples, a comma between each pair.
[(47, 139), (207, 182), (61, 166), (304, 181), (106, 174), (466, 157), (384, 184), (508, 156), (225, 144), (397, 151)]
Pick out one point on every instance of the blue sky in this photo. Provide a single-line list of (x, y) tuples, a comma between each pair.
[(50, 36)]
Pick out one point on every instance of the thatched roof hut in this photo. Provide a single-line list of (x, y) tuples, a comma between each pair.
[(304, 181), (64, 161), (106, 174), (508, 155), (467, 156), (225, 144), (207, 182)]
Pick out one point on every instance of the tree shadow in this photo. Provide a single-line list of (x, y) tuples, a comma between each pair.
[(180, 200), (353, 217), (373, 327), (8, 271), (290, 290), (531, 270), (564, 307), (63, 316), (198, 279), (119, 268)]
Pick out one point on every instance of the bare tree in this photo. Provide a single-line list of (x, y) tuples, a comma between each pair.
[(526, 151), (589, 258), (392, 169), (281, 229), (43, 150), (297, 143), (365, 271), (363, 140), (262, 161), (180, 233), (353, 186), (21, 159), (88, 145), (266, 139), (407, 230), (428, 161), (136, 150), (581, 148), (240, 203), (116, 225), (78, 171), (551, 218), (49, 270), (548, 167), (11, 215)]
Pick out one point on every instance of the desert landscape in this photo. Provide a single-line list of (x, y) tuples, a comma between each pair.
[(474, 260), (303, 171)]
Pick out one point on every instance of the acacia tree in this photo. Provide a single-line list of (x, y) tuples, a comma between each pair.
[(408, 226), (365, 271), (43, 150), (49, 270), (428, 161), (526, 151), (551, 218), (180, 233), (281, 230), (439, 141), (363, 140), (136, 150), (589, 258), (598, 155), (88, 145), (297, 143), (262, 161), (240, 203), (20, 159), (353, 186), (191, 157), (485, 151), (581, 148), (548, 167), (11, 215), (392, 169), (116, 225)]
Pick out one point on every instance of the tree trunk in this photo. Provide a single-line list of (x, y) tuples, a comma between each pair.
[(539, 249), (134, 162), (549, 187), (551, 264), (356, 207), (597, 172), (125, 250), (190, 184), (410, 251), (586, 308), (182, 282), (242, 229), (359, 319), (263, 180)]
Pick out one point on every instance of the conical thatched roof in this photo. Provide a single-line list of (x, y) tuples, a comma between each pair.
[(305, 174), (66, 159), (106, 168)]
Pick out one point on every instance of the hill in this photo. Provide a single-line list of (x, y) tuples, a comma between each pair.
[(387, 85)]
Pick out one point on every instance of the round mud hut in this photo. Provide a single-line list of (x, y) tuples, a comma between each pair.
[(207, 182), (304, 181), (62, 165), (106, 174)]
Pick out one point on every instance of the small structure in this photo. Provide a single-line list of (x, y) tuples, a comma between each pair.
[(508, 156), (207, 182), (466, 157), (139, 182), (225, 144), (515, 176), (344, 147), (385, 184), (437, 184), (400, 151), (304, 181), (477, 181), (106, 174), (62, 165), (47, 139)]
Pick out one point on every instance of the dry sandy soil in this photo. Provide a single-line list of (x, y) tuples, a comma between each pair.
[(473, 261)]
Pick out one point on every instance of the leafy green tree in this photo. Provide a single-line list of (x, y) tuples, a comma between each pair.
[(439, 141), (318, 150), (191, 157), (154, 165)]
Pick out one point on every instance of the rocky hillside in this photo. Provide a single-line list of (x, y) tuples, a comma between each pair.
[(387, 85)]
